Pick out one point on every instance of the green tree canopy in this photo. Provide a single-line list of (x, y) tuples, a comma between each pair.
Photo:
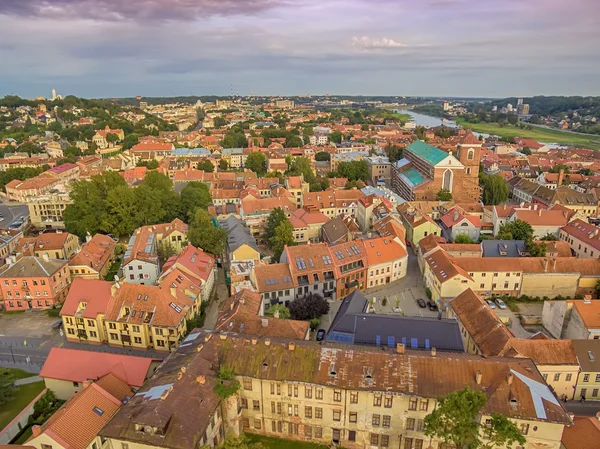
[(7, 386), (354, 170), (194, 195), (495, 189), (301, 166), (463, 238), (284, 312), (206, 165), (257, 162), (515, 230), (444, 195), (322, 156), (284, 236), (203, 234), (276, 217), (336, 137), (223, 165), (535, 249), (456, 420)]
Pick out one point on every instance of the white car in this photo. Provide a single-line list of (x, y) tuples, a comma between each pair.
[(501, 304), (491, 304)]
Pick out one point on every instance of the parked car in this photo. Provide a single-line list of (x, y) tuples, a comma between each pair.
[(320, 335), (432, 306), (421, 303), (491, 304), (500, 304)]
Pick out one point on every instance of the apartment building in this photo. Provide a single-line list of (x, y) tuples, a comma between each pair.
[(325, 393), (418, 224), (380, 170), (8, 243), (387, 261), (307, 225), (94, 259), (255, 212), (312, 270), (140, 261), (24, 191), (588, 380), (59, 245), (274, 282), (583, 238), (34, 282), (46, 211), (297, 187)]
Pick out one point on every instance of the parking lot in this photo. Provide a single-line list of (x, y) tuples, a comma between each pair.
[(31, 324)]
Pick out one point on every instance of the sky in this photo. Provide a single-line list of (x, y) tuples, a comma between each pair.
[(124, 48)]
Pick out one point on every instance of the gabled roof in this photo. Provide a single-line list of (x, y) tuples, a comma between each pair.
[(383, 250), (95, 253), (95, 293), (584, 434), (78, 365), (30, 266)]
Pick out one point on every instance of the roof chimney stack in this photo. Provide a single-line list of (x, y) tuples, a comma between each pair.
[(561, 177), (545, 265), (400, 348), (509, 379), (433, 352), (478, 377)]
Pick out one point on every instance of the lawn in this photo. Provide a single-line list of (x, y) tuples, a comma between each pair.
[(539, 134), (277, 443), (24, 436), (19, 373), (23, 395)]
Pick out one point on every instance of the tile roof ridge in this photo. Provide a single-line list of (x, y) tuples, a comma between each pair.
[(105, 393)]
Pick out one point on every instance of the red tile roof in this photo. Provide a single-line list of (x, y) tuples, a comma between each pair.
[(95, 293)]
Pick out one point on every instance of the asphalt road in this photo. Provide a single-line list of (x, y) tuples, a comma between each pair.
[(588, 408), (12, 212)]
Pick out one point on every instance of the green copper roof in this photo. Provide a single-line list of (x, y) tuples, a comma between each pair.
[(413, 176), (431, 154)]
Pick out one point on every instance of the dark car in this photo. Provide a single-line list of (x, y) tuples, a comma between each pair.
[(421, 303), (432, 306), (320, 334)]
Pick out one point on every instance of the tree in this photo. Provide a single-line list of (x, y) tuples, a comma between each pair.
[(206, 165), (354, 185), (276, 217), (322, 156), (526, 151), (284, 312), (122, 211), (234, 139), (444, 195), (463, 238), (456, 417), (223, 165), (558, 167), (284, 236), (495, 189), (336, 137), (257, 162), (515, 230), (309, 307), (549, 238), (7, 386), (165, 250), (194, 195), (597, 288), (149, 208), (152, 164), (535, 249), (301, 166), (395, 153), (204, 235), (586, 172), (293, 142), (354, 170)]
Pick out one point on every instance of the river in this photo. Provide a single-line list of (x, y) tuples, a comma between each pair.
[(429, 121)]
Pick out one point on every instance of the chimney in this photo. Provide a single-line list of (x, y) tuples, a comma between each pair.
[(86, 384), (36, 430), (276, 314), (545, 265), (539, 211), (561, 176), (88, 237), (535, 207), (45, 257), (478, 377), (400, 348), (291, 346), (433, 352), (509, 379), (254, 341), (455, 215), (267, 342), (201, 380), (264, 322)]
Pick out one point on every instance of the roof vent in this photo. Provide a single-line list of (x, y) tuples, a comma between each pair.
[(478, 377)]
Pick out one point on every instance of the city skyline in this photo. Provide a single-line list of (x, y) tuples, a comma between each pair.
[(458, 48)]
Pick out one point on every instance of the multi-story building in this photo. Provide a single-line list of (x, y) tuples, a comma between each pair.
[(380, 170), (425, 170), (576, 319), (59, 245), (418, 224), (255, 212), (24, 191), (351, 265), (275, 284), (8, 242), (46, 211), (387, 261), (312, 270), (140, 262), (95, 258), (297, 187), (307, 225), (583, 238), (588, 379), (327, 393), (100, 138), (34, 282)]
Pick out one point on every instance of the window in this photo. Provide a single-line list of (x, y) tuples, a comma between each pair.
[(385, 441), (308, 392), (376, 420), (295, 391), (308, 412), (319, 393), (597, 377), (586, 378), (408, 443), (272, 407), (418, 444), (337, 395), (337, 415), (318, 413), (245, 403), (353, 417), (420, 425), (556, 377), (583, 392), (424, 405), (257, 424), (524, 429), (245, 423), (137, 340), (307, 432), (377, 400), (256, 405), (410, 423), (273, 427), (595, 393), (318, 432), (351, 435), (248, 384), (569, 376), (374, 439), (387, 419), (124, 446), (412, 404), (387, 401), (354, 398)]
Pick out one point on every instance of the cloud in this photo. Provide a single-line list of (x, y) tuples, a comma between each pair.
[(367, 43), (153, 10)]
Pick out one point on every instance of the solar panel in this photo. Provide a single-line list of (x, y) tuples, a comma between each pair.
[(414, 343), (378, 340), (391, 341), (310, 262), (349, 252), (355, 249), (176, 307)]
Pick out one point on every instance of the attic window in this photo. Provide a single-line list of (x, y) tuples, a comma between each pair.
[(98, 411), (591, 356), (368, 374)]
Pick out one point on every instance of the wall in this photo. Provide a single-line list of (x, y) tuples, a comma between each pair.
[(591, 388), (549, 284), (63, 389), (148, 271), (12, 429), (554, 315)]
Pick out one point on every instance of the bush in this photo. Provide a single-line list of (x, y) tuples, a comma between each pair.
[(53, 311), (428, 293), (309, 307), (384, 301), (45, 407), (284, 312), (314, 323)]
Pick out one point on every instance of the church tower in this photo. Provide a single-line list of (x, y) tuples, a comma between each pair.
[(469, 154)]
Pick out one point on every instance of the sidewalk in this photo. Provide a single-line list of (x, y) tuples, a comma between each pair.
[(28, 380)]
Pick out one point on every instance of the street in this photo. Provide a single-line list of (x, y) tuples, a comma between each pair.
[(589, 408), (11, 212)]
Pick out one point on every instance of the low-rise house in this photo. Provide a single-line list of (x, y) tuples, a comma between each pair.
[(588, 379), (275, 283), (8, 242), (255, 212), (583, 205), (576, 319), (241, 244), (336, 231), (543, 221), (94, 259), (297, 187), (307, 225), (583, 434), (387, 261), (456, 223), (417, 224), (365, 376), (77, 423), (59, 245), (100, 138), (152, 150), (583, 238), (34, 282), (140, 261), (242, 313), (67, 371)]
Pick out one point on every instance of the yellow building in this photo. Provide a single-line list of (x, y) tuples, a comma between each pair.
[(46, 211), (418, 225), (95, 258), (350, 396), (588, 380), (297, 187), (59, 245)]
